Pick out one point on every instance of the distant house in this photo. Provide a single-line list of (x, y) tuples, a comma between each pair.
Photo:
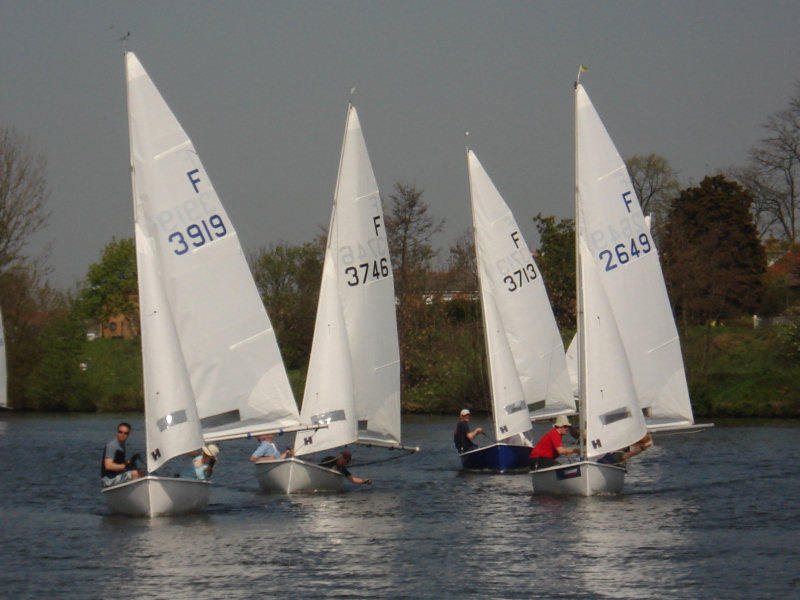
[(117, 327), (788, 266)]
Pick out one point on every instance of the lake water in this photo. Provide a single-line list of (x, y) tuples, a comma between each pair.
[(708, 515)]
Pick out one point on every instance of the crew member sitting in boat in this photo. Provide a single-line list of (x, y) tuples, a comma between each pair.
[(115, 468), (339, 463), (203, 462), (462, 436), (267, 450), (551, 445), (620, 456)]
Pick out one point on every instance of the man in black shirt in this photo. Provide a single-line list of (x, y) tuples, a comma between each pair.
[(462, 436)]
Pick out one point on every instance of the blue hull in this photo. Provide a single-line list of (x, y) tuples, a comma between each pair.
[(497, 458)]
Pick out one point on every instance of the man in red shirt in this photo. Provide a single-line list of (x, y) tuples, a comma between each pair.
[(551, 446)]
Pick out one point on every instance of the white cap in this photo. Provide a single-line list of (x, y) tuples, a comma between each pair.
[(465, 412)]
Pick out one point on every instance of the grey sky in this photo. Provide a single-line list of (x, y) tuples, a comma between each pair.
[(262, 88)]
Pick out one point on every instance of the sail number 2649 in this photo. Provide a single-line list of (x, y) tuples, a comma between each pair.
[(624, 253)]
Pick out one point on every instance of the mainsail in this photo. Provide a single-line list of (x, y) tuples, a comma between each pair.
[(229, 347)]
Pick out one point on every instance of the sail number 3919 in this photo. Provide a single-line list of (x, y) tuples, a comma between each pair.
[(198, 234)]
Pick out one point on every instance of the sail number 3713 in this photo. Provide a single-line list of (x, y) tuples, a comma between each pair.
[(520, 277)]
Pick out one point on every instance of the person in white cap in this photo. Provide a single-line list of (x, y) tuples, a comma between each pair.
[(203, 462), (551, 445), (462, 436)]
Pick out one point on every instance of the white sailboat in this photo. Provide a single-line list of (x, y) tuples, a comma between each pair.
[(525, 354), (353, 383), (3, 369), (172, 424), (612, 239), (188, 251)]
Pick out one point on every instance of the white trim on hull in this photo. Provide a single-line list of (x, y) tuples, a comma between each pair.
[(289, 475), (671, 426), (584, 478), (154, 496)]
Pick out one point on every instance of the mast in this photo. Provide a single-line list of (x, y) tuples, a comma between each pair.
[(579, 293)]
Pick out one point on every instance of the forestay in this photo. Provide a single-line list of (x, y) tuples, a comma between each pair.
[(228, 344)]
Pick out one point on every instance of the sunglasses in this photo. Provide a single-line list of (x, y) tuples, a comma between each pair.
[(123, 432)]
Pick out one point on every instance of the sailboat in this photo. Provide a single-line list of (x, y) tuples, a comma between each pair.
[(612, 244), (172, 425), (196, 289), (3, 369), (353, 382), (525, 354)]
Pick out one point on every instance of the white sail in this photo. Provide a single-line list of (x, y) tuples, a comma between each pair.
[(172, 424), (620, 240), (3, 367), (525, 352), (366, 291), (613, 417), (609, 237), (229, 347), (328, 398)]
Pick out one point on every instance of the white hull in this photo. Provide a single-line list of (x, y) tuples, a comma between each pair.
[(584, 478), (290, 475), (153, 496)]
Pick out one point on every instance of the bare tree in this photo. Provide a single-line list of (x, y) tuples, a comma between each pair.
[(23, 196), (773, 177), (655, 184), (410, 229)]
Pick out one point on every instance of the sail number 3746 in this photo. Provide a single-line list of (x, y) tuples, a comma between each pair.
[(624, 253), (362, 272)]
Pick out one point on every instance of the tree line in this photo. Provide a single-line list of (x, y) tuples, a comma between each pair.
[(712, 239)]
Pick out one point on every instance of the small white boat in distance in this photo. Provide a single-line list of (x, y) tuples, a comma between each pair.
[(3, 369)]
